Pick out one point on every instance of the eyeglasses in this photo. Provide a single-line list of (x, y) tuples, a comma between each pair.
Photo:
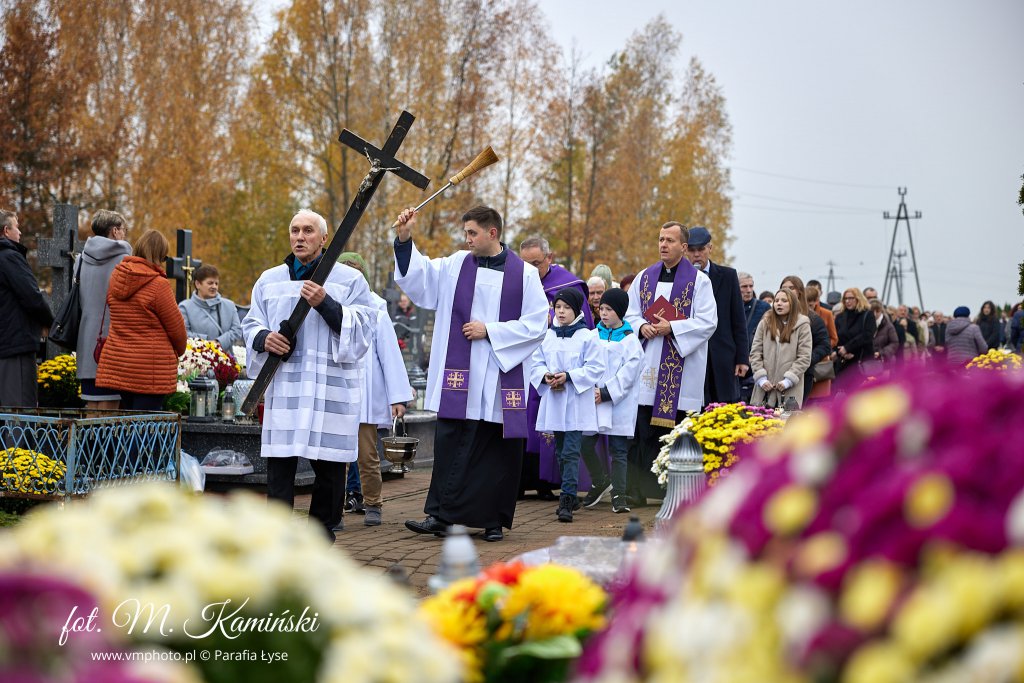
[(849, 298)]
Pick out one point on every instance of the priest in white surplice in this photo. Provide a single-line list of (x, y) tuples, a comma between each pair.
[(312, 404), (675, 351), (491, 315)]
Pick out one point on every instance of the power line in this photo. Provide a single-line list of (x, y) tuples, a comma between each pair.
[(796, 201), (832, 212), (810, 180)]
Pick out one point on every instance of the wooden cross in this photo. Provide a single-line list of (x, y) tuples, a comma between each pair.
[(180, 267), (59, 253), (381, 160)]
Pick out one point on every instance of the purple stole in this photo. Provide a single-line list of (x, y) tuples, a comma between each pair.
[(670, 368), (455, 378), (559, 278)]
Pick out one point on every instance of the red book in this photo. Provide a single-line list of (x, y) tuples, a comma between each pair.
[(666, 310)]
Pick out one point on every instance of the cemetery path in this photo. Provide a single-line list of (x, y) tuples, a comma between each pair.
[(535, 527)]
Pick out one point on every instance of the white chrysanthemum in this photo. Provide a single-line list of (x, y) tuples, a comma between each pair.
[(1015, 520), (720, 504), (995, 655), (812, 465), (154, 545), (802, 611)]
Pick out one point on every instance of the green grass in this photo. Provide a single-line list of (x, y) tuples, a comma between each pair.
[(8, 519)]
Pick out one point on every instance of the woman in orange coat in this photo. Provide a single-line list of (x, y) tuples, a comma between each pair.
[(147, 333)]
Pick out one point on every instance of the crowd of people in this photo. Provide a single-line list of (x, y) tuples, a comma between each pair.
[(131, 331), (532, 369)]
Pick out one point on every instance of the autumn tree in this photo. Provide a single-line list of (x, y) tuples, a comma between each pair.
[(42, 155), (630, 148)]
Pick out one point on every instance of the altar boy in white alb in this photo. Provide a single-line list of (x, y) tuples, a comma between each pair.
[(617, 396), (675, 351), (491, 315), (386, 391), (566, 368), (312, 404)]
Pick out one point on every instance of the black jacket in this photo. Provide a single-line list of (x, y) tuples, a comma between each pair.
[(23, 310), (856, 332), (991, 330), (728, 346)]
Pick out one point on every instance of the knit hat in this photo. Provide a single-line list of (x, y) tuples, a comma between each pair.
[(572, 297), (352, 258), (617, 300), (962, 312)]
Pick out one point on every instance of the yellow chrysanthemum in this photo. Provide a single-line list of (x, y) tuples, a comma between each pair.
[(928, 500), (868, 593), (790, 509), (869, 412), (456, 620), (879, 663), (555, 601), (821, 553)]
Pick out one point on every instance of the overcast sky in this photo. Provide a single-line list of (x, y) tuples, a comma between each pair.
[(835, 105), (861, 98)]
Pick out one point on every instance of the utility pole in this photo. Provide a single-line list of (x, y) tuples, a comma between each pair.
[(897, 275), (831, 282), (893, 272)]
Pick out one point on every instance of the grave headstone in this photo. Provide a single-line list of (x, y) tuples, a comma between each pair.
[(180, 267), (59, 253)]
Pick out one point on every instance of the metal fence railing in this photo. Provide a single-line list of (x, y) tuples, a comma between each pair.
[(63, 453)]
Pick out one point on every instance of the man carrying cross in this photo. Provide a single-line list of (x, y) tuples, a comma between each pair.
[(312, 403), (491, 315)]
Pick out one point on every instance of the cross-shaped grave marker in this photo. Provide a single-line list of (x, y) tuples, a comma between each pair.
[(180, 267), (59, 252), (381, 160)]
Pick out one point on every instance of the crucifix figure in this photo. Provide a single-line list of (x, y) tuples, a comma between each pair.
[(59, 253), (180, 267), (381, 161)]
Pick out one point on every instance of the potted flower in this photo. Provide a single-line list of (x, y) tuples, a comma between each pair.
[(518, 623), (57, 383), (719, 430), (995, 359), (880, 540), (230, 587)]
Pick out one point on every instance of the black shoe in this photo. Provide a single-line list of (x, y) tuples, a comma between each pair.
[(429, 525), (354, 502), (620, 504), (565, 503), (545, 494), (635, 501), (494, 534), (597, 493)]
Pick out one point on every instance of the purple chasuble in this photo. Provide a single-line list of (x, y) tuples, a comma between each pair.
[(559, 278), (455, 379), (670, 368)]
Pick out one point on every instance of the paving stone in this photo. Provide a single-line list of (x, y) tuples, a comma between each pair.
[(535, 526)]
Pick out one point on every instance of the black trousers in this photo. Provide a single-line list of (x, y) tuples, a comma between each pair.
[(641, 482), (328, 488), (476, 474), (18, 380), (149, 402)]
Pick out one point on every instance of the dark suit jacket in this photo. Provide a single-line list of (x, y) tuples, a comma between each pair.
[(759, 309), (728, 346)]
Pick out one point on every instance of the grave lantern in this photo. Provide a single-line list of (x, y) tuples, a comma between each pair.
[(202, 406)]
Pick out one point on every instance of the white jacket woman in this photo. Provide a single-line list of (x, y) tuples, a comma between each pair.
[(781, 352)]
